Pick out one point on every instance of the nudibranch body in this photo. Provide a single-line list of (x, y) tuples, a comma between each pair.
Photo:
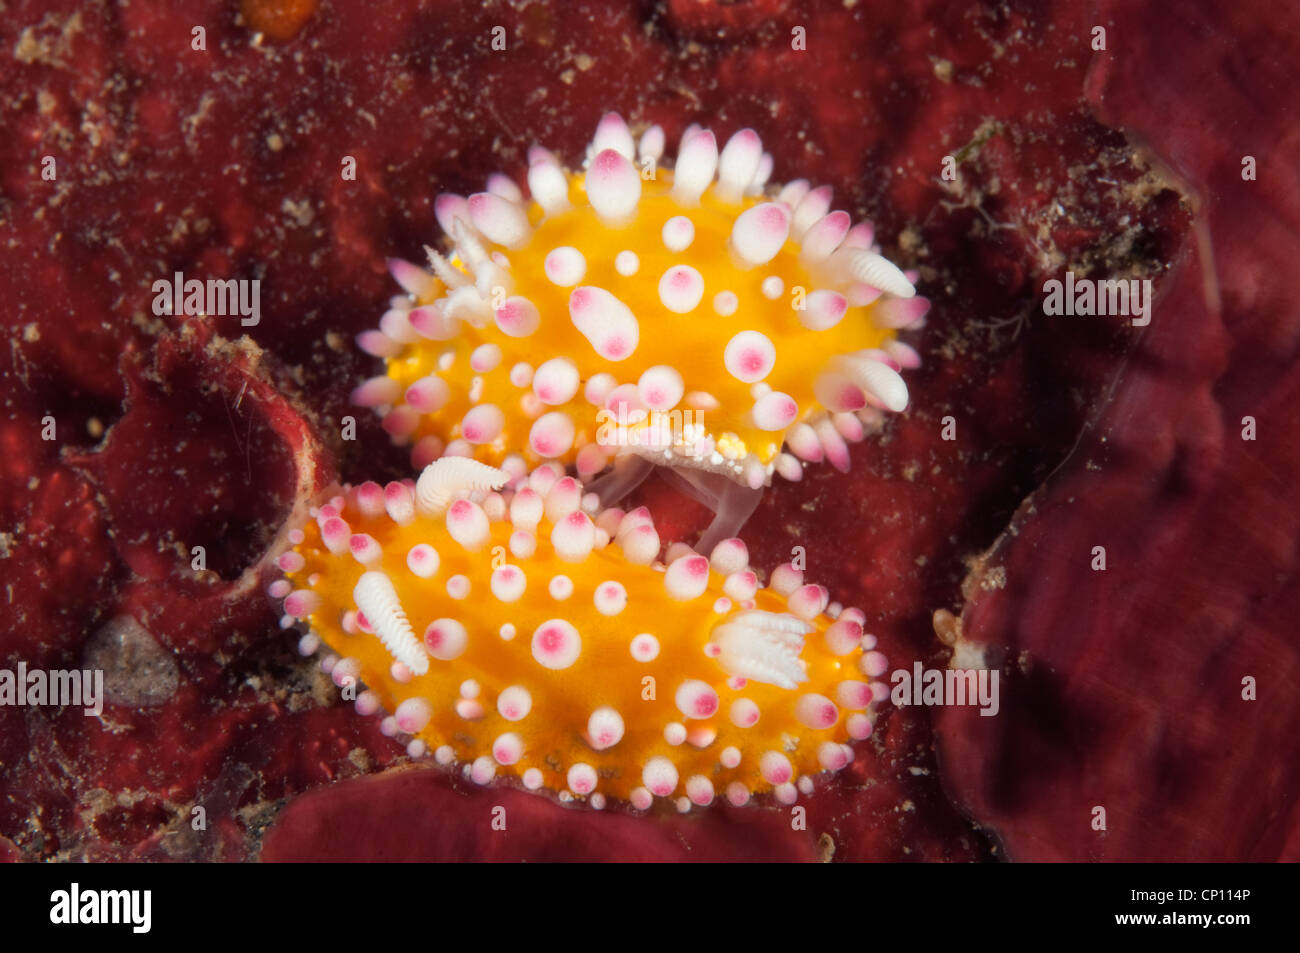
[(695, 317), (513, 627)]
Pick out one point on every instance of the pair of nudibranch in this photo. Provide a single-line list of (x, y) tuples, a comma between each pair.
[(511, 618)]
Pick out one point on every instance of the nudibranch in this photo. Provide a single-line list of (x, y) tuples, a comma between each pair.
[(695, 317), (515, 628)]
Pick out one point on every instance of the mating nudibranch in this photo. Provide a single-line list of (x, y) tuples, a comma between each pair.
[(514, 627), (758, 322)]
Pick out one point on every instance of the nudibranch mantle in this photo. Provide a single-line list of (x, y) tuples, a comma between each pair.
[(513, 627), (693, 316)]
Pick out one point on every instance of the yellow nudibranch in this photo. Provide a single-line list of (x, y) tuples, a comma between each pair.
[(513, 627), (694, 316)]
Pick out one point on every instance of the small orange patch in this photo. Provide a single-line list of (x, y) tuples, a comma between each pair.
[(278, 19)]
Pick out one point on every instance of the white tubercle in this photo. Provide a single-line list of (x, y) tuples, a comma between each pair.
[(661, 387), (552, 435), (696, 699), (485, 358), (395, 325), (508, 583), (775, 767), (729, 556), (604, 728), (687, 577), (700, 790), (413, 279), (678, 233), (517, 317), (376, 392), (582, 779), (370, 499), (816, 711), (744, 713), (785, 579), (640, 545), (377, 344), (335, 534), (697, 161), (761, 175), (556, 644), (526, 509), (377, 599), (514, 703), (659, 776), (606, 322), (565, 266), (792, 193), (508, 748), (413, 714), (823, 309), (774, 411), (813, 206), (365, 549), (539, 153), (574, 537), (563, 497), (423, 560), (468, 524), (759, 233), (626, 263), (903, 354), (549, 186), (556, 381), (613, 186), (652, 143), (749, 356), (399, 502), (500, 220), (482, 424), (434, 321), (738, 164), (446, 639), (612, 133), (447, 208), (500, 184), (680, 289), (823, 237)]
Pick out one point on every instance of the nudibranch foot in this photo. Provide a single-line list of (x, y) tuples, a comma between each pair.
[(688, 313), (619, 479), (731, 503), (510, 626)]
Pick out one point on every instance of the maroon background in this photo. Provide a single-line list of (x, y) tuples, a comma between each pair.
[(1121, 689)]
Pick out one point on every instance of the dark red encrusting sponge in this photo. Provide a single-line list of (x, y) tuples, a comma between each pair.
[(1120, 689)]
